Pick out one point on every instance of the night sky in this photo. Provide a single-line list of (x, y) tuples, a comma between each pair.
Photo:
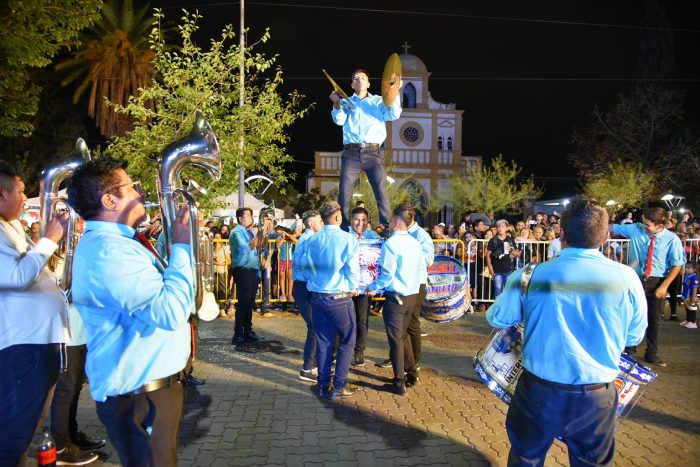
[(525, 73)]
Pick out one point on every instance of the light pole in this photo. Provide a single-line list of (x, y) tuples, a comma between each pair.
[(241, 101)]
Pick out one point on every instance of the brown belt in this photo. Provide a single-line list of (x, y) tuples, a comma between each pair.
[(156, 384)]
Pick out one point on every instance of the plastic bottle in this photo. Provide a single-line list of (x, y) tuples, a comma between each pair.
[(46, 452)]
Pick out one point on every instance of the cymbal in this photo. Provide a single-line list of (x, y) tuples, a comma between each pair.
[(336, 88), (391, 79)]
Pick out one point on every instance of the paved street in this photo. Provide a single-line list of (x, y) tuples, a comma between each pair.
[(254, 410)]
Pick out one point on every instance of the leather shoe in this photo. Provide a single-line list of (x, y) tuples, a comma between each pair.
[(345, 391), (238, 340), (398, 389), (87, 443), (192, 381), (250, 336), (412, 380), (655, 361), (320, 391)]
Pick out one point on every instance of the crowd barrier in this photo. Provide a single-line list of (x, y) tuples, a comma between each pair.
[(473, 256)]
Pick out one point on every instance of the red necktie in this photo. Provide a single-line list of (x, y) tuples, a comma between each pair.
[(650, 253)]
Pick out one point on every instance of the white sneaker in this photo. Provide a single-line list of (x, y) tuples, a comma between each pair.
[(683, 323), (690, 325)]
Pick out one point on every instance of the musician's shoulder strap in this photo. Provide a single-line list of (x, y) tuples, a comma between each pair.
[(528, 270)]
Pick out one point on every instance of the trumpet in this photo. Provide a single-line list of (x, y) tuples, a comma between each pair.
[(51, 179), (199, 149)]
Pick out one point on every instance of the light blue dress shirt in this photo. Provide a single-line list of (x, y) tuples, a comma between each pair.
[(300, 266), (580, 312), (367, 234), (241, 254), (401, 265), (364, 122), (135, 314), (426, 246), (668, 249), (333, 256)]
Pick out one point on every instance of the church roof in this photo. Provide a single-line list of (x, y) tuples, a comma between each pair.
[(410, 62)]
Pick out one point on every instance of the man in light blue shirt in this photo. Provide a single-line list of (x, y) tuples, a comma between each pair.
[(334, 276), (656, 272), (135, 311), (300, 270), (245, 261), (363, 118), (580, 311), (402, 271)]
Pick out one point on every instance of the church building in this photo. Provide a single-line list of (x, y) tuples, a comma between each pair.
[(423, 148)]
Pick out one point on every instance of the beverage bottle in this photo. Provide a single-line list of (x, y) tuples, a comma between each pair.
[(46, 452)]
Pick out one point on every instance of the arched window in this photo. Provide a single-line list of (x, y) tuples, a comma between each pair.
[(450, 143), (409, 96), (440, 142)]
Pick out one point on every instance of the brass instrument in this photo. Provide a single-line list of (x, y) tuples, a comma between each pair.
[(391, 79), (51, 179), (199, 149), (338, 90)]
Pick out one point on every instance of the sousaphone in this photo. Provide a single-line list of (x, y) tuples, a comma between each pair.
[(391, 79)]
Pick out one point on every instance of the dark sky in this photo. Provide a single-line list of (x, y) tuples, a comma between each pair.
[(525, 73)]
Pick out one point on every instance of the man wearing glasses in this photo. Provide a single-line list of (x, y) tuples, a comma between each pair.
[(135, 310)]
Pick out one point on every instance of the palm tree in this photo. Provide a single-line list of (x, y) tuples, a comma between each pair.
[(114, 61)]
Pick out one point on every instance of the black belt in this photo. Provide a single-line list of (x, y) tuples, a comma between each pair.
[(156, 384), (567, 387), (361, 146), (336, 296)]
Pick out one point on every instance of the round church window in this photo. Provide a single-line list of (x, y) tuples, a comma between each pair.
[(411, 134)]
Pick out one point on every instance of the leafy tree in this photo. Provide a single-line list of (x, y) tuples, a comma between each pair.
[(192, 78), (488, 189), (113, 62), (622, 185), (32, 32), (311, 200)]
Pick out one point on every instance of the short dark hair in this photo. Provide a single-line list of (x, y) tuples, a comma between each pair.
[(7, 172), (359, 70), (308, 215), (92, 180), (692, 264), (240, 211), (359, 210), (405, 212), (328, 209), (657, 215), (585, 222)]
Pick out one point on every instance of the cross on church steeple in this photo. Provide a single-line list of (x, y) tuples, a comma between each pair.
[(405, 47)]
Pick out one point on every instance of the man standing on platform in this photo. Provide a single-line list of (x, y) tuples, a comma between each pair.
[(334, 275), (33, 320), (246, 273), (579, 311), (657, 255), (135, 311), (400, 279), (359, 227), (363, 118)]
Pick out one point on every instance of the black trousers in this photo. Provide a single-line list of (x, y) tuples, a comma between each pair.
[(584, 419), (361, 303), (145, 428), (64, 406), (246, 289), (29, 373), (655, 310), (397, 317)]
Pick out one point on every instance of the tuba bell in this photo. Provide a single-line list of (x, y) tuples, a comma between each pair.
[(199, 149), (49, 199)]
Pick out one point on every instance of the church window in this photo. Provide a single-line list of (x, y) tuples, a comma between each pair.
[(440, 142), (409, 96), (411, 134), (450, 143)]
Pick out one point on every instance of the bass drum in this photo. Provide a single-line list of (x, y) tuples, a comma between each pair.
[(447, 298)]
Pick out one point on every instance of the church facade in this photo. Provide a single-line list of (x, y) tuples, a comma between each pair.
[(423, 148)]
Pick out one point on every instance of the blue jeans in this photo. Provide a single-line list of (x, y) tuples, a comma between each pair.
[(370, 160), (499, 281), (302, 298), (541, 411), (330, 318)]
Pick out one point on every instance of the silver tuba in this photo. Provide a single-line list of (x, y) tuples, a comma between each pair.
[(51, 179), (200, 149)]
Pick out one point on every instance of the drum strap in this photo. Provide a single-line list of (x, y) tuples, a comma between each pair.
[(525, 279)]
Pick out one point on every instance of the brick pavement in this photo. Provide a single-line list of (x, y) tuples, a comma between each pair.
[(254, 410)]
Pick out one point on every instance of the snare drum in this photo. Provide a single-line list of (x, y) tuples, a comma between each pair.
[(446, 299)]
